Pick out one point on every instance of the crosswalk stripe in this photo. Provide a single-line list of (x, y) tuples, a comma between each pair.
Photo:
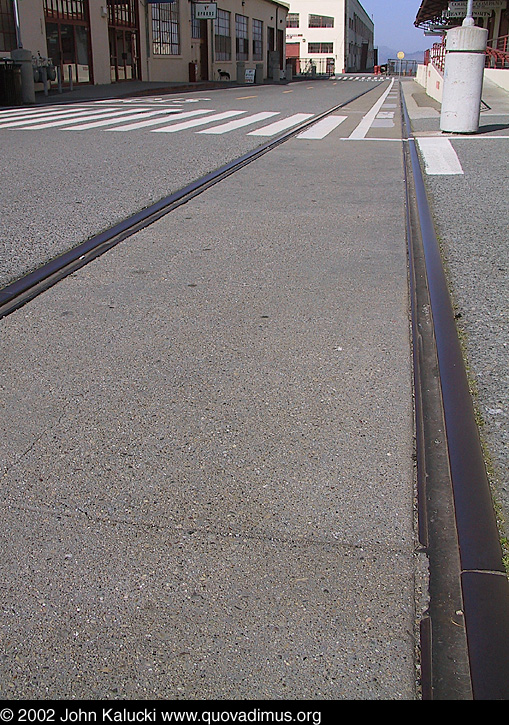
[(42, 119), (231, 125), (322, 128), (75, 119), (196, 122), (24, 112), (282, 125), (111, 121), (156, 121), (440, 158)]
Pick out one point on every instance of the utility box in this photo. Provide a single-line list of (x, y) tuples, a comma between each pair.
[(193, 72), (273, 68), (465, 52)]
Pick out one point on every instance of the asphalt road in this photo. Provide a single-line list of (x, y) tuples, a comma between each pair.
[(60, 186)]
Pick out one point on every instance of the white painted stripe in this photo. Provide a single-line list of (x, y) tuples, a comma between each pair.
[(196, 122), (482, 137), (278, 126), (373, 138), (156, 121), (75, 119), (24, 112), (43, 118), (40, 110), (231, 125), (322, 128), (365, 124), (439, 157), (111, 121)]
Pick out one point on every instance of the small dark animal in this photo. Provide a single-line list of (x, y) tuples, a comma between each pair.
[(223, 74)]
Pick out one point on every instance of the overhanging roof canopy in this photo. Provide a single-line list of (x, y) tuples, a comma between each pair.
[(430, 10)]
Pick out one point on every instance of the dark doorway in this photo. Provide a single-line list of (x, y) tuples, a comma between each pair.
[(68, 41), (123, 32)]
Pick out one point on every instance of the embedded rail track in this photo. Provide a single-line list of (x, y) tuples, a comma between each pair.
[(465, 637), (465, 632)]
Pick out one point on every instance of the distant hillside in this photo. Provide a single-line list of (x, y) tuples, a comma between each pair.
[(384, 53)]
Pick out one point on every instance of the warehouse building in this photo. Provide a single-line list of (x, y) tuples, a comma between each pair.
[(110, 41)]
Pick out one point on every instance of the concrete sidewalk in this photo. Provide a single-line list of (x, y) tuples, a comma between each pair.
[(207, 457)]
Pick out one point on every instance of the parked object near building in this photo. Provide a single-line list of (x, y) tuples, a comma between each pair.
[(332, 36), (105, 41)]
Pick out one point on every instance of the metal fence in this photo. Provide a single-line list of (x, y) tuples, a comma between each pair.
[(312, 67), (397, 67)]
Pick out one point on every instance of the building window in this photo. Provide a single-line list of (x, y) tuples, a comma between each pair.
[(292, 20), (241, 38), (195, 23), (65, 10), (223, 40), (120, 14), (165, 28), (320, 48), (361, 28), (257, 40), (320, 21), (7, 30)]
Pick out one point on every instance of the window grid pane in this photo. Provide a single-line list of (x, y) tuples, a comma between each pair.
[(66, 9), (223, 41), (320, 21), (7, 30), (165, 28), (241, 37), (257, 40), (320, 48)]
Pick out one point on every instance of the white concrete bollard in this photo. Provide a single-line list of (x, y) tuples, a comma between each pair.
[(465, 51)]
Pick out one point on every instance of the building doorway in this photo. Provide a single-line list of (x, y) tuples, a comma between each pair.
[(123, 34), (200, 47), (68, 39)]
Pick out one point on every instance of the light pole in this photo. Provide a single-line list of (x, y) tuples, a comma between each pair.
[(19, 44), (469, 18)]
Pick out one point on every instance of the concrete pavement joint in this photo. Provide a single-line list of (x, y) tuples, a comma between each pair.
[(204, 532)]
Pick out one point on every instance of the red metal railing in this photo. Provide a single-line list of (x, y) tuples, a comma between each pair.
[(497, 54), (436, 56)]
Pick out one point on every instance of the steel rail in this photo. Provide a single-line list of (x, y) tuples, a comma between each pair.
[(482, 577), (26, 288)]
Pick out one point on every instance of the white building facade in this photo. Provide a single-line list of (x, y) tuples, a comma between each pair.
[(335, 35)]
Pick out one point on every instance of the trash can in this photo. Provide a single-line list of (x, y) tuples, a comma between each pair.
[(10, 83)]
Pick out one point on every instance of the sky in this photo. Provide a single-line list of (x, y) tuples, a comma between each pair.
[(394, 24)]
